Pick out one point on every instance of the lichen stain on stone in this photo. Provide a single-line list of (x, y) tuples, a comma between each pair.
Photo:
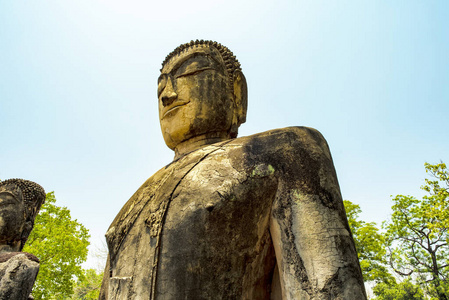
[(262, 170), (297, 195)]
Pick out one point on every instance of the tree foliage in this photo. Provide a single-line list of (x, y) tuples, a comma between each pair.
[(417, 235), (369, 243), (60, 243), (405, 290), (88, 287)]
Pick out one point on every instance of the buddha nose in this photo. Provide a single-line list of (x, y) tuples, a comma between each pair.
[(168, 95)]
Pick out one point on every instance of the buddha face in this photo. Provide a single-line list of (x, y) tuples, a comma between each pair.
[(195, 99), (12, 215)]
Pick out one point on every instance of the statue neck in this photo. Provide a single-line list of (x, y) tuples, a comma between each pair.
[(198, 142)]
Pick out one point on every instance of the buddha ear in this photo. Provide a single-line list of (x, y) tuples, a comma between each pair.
[(240, 97), (26, 232)]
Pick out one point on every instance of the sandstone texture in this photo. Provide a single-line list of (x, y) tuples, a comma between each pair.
[(257, 217), (20, 201), (18, 271)]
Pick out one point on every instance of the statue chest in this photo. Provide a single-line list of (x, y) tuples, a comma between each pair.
[(206, 234)]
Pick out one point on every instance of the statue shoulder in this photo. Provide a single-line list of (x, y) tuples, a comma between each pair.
[(293, 152), (4, 257), (142, 193), (18, 271), (286, 140)]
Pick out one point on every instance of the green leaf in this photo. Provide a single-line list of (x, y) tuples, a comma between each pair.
[(60, 243)]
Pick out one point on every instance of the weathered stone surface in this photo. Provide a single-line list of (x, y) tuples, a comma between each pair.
[(20, 201), (18, 271), (257, 217), (219, 216)]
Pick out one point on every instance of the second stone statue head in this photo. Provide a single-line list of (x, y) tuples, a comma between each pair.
[(202, 96), (20, 201)]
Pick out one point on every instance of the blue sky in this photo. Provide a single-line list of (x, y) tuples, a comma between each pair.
[(78, 103)]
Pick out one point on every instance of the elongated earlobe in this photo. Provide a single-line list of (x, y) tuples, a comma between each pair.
[(26, 233), (240, 96)]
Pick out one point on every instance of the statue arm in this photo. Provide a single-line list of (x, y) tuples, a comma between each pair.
[(314, 248)]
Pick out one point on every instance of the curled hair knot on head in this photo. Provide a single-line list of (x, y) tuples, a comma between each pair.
[(230, 61)]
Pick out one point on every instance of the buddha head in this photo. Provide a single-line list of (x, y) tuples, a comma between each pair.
[(20, 201), (202, 96)]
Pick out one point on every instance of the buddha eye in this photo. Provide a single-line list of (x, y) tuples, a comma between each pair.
[(193, 72), (161, 83)]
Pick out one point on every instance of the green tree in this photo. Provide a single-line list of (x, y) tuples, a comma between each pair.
[(88, 287), (417, 235), (438, 188), (369, 243), (405, 290), (60, 243)]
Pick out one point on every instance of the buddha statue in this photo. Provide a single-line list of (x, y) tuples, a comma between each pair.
[(256, 217), (20, 201)]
